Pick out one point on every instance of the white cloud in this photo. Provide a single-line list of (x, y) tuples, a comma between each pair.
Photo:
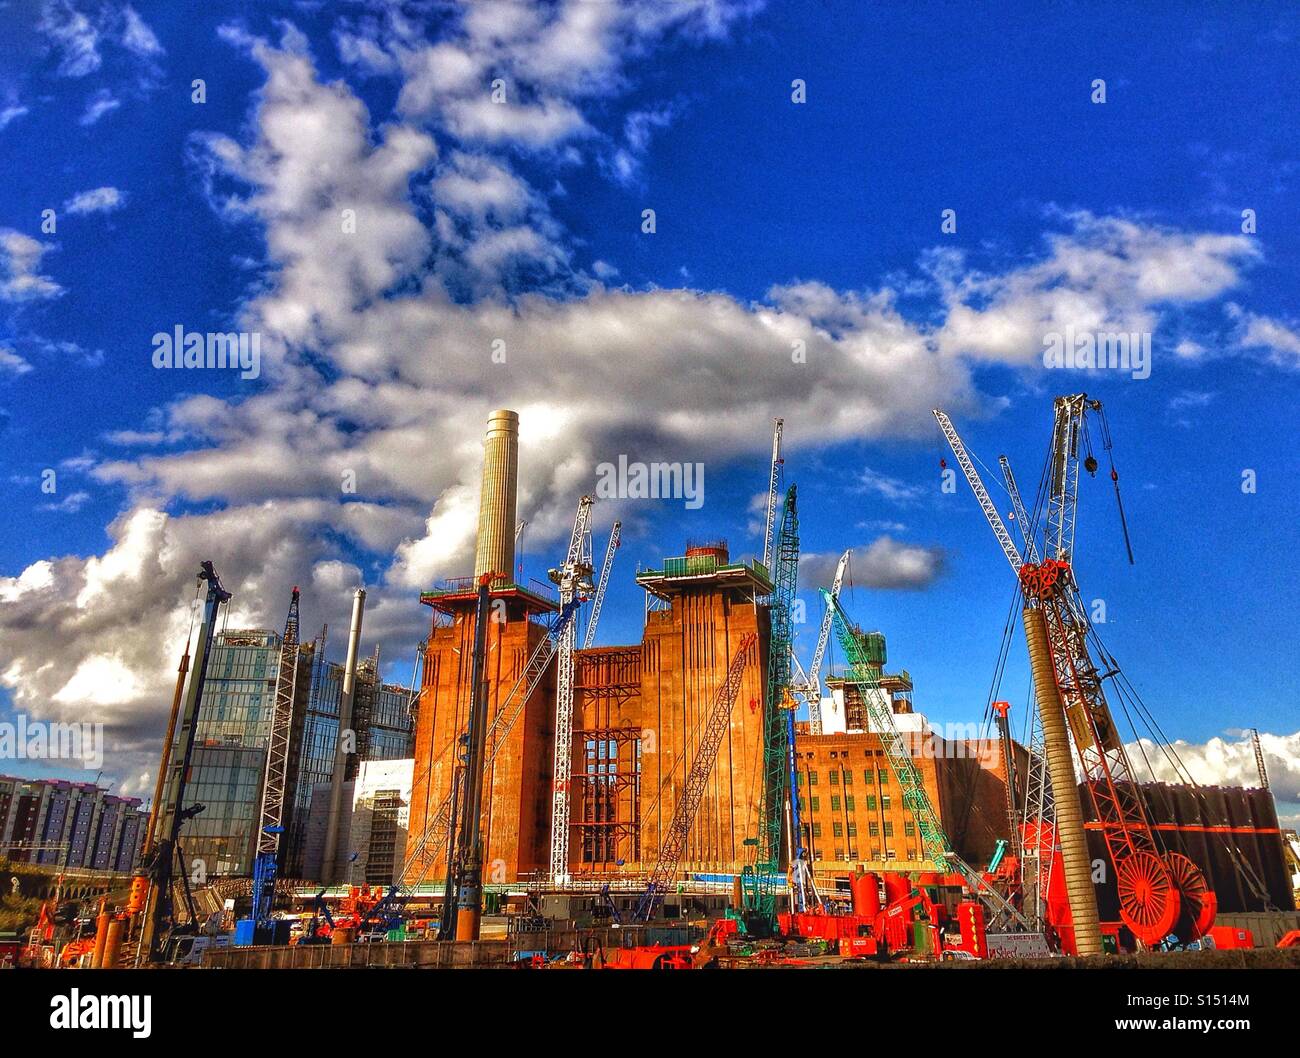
[(12, 362), (101, 103), (74, 36), (137, 36), (11, 113), (99, 200), (1279, 341), (78, 37), (1107, 274), (1224, 762), (20, 260)]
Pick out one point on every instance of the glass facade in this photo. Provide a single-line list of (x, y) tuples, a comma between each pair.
[(233, 733)]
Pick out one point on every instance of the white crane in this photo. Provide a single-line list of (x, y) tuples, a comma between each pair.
[(773, 486), (574, 581), (810, 683), (615, 538)]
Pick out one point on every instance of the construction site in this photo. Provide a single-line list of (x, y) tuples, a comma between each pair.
[(702, 797)]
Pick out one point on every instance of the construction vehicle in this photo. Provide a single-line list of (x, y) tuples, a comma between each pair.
[(166, 855), (1160, 893)]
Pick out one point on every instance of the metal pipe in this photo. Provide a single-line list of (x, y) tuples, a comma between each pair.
[(495, 552), (469, 900), (327, 867), (1075, 859)]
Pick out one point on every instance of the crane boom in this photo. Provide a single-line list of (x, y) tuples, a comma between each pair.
[(811, 687), (615, 538), (778, 725), (773, 487), (574, 580), (670, 852), (1018, 506), (271, 816), (937, 849), (981, 493)]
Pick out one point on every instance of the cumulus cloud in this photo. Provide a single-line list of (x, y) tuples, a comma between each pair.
[(20, 261), (1108, 274), (99, 200), (1226, 762), (885, 563)]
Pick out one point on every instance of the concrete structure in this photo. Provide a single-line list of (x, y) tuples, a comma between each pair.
[(371, 843), (495, 552), (60, 823)]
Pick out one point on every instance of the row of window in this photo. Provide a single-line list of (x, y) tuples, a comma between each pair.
[(849, 803), (873, 830), (870, 776)]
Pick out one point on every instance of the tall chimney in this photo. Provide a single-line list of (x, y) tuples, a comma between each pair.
[(328, 873), (496, 511)]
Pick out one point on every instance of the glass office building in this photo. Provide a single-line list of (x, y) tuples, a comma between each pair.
[(233, 733)]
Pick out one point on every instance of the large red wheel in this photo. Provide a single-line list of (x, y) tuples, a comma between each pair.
[(1148, 900), (1197, 902)]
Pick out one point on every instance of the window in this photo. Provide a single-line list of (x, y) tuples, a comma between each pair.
[(837, 829), (835, 804), (839, 854), (835, 777), (873, 830), (889, 830), (799, 777), (871, 803), (812, 778), (816, 803), (817, 830), (884, 802), (869, 777), (848, 802), (909, 830), (848, 777), (884, 776), (853, 830)]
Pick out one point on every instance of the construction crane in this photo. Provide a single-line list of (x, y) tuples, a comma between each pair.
[(670, 852), (574, 581), (773, 491), (1157, 890), (615, 538), (271, 816), (810, 683), (778, 741), (159, 909), (936, 848)]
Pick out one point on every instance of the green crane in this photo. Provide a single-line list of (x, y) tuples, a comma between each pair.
[(936, 849), (762, 882)]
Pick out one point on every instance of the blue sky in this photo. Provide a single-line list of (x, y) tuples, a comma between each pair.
[(776, 221)]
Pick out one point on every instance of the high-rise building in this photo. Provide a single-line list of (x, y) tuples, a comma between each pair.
[(233, 732), (69, 824)]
